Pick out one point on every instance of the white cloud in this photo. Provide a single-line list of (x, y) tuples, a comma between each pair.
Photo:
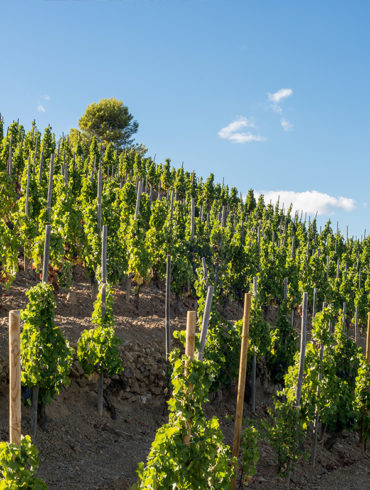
[(309, 201), (283, 93), (245, 137), (286, 125), (232, 131), (278, 96), (41, 108), (239, 123), (46, 97)]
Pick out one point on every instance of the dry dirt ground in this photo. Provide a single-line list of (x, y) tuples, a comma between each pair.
[(80, 450)]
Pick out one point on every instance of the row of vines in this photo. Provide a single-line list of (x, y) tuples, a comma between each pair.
[(119, 215)]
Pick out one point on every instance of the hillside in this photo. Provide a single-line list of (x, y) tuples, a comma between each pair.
[(77, 222), (80, 450)]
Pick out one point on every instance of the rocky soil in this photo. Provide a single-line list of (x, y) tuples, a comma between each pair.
[(80, 450)]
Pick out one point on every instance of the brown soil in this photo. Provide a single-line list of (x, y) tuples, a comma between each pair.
[(80, 450)]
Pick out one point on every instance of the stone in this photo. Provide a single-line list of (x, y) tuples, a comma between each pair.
[(72, 298)]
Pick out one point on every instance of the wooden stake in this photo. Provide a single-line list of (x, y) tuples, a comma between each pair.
[(138, 196), (223, 217), (128, 287), (344, 315), (100, 191), (191, 322), (204, 265), (314, 303), (65, 172), (241, 382), (50, 188), (14, 379), (285, 289), (192, 218), (45, 264), (205, 322), (171, 209), (28, 186)]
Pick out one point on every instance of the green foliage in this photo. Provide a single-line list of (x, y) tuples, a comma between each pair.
[(285, 431), (158, 237), (67, 223), (203, 462), (250, 454), (97, 348), (222, 351), (139, 263), (283, 346), (362, 398), (330, 370), (46, 355), (250, 202), (19, 466), (110, 122), (237, 240), (8, 240), (259, 330)]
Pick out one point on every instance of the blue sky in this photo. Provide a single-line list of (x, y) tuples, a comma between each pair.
[(270, 95)]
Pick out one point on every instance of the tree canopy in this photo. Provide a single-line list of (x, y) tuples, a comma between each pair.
[(110, 122)]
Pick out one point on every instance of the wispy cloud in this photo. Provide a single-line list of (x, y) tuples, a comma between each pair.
[(276, 97), (310, 201), (283, 93), (239, 123), (42, 99), (234, 131), (246, 137), (286, 125)]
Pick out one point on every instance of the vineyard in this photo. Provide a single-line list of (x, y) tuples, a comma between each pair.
[(152, 303)]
